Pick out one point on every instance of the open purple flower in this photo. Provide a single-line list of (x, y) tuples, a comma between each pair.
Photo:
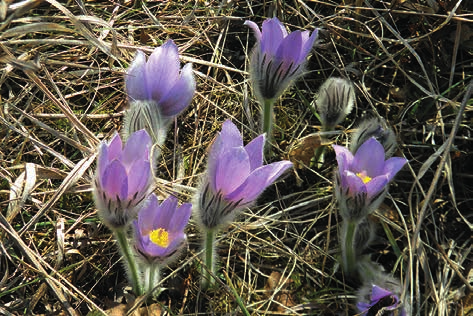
[(158, 90), (278, 58), (361, 180), (382, 300), (235, 176), (123, 178), (159, 230)]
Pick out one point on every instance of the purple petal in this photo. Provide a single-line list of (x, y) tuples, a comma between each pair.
[(137, 147), (376, 185), (162, 69), (258, 181), (181, 217), (147, 214), (139, 178), (115, 147), (229, 137), (344, 157), (378, 293), (354, 183), (255, 29), (393, 165), (115, 181), (232, 169), (165, 213), (135, 79), (309, 43), (362, 306), (180, 95), (255, 151), (290, 49), (272, 35), (370, 158)]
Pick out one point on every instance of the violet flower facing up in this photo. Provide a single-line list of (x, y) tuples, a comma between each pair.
[(158, 90), (123, 178), (361, 180), (159, 229), (235, 176), (278, 57), (382, 300)]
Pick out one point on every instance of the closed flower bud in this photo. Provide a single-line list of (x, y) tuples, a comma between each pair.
[(377, 128), (335, 101)]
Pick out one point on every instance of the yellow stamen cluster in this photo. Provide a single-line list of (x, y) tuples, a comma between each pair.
[(363, 177), (160, 237)]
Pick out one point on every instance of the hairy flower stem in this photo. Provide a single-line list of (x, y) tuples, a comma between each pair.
[(152, 276), (268, 118), (132, 270), (209, 259), (348, 251)]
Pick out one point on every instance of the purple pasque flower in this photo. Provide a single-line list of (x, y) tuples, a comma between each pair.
[(159, 229), (278, 57), (235, 176), (381, 300), (362, 178), (158, 90), (123, 178)]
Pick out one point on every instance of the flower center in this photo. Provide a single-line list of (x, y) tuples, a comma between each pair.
[(160, 237), (363, 176)]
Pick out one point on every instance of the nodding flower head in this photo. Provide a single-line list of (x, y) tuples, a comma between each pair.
[(159, 229), (278, 57), (361, 180), (123, 178), (158, 90), (235, 176)]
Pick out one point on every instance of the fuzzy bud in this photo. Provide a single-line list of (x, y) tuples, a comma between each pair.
[(335, 101), (377, 128)]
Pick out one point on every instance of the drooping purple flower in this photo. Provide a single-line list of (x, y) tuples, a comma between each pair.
[(159, 229), (235, 176), (123, 178), (381, 300), (361, 180), (278, 57), (158, 90)]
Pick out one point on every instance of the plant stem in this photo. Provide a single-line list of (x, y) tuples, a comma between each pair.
[(348, 251), (154, 278), (268, 118), (209, 270), (120, 235)]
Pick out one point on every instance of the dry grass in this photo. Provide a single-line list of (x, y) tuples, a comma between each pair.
[(61, 90)]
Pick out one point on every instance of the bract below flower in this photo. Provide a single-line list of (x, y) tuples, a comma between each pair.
[(278, 58), (361, 180), (123, 178), (235, 176), (158, 90), (159, 230)]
